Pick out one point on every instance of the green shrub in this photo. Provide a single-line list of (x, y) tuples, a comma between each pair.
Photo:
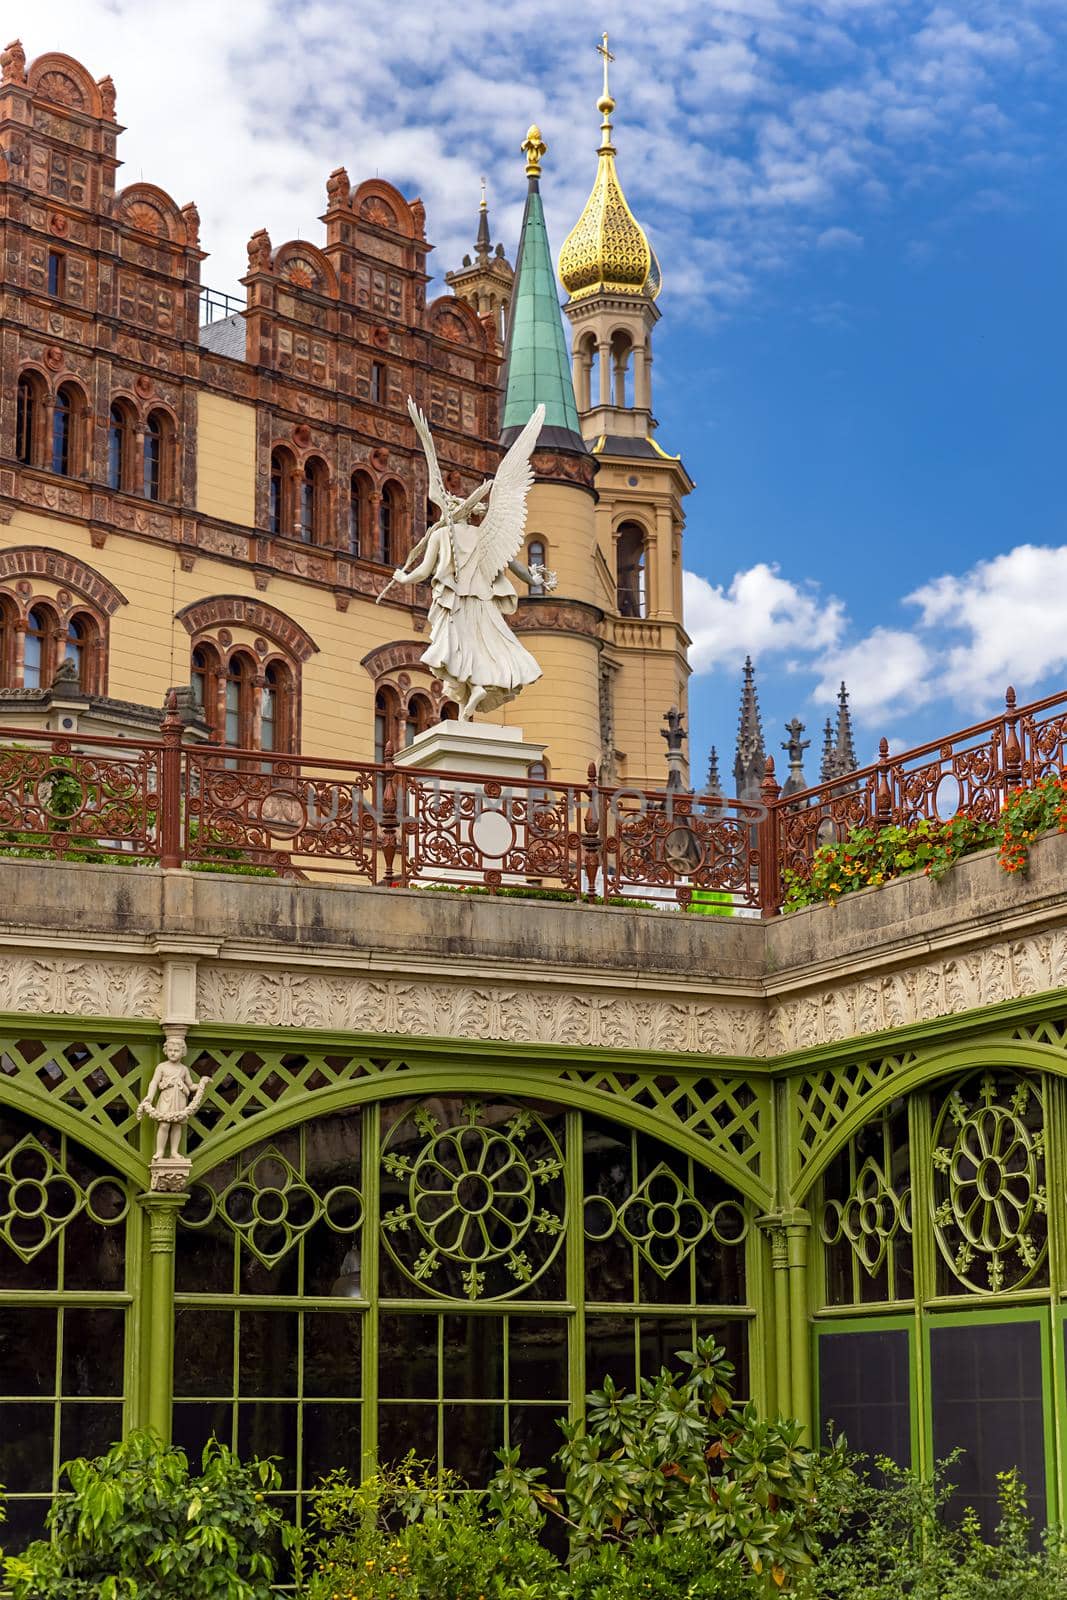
[(136, 1523), (681, 1458), (896, 1540), (410, 1532)]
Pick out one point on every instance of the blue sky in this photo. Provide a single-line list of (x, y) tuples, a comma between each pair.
[(859, 207)]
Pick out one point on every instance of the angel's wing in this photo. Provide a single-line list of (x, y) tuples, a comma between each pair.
[(501, 533), (436, 487)]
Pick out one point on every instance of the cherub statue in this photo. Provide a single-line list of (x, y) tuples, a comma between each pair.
[(472, 650), (178, 1098)]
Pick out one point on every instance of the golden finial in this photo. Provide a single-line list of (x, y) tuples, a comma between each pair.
[(605, 105), (483, 204), (535, 150)]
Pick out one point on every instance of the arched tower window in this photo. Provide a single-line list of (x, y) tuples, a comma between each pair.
[(360, 500), (238, 727), (630, 571), (280, 513), (275, 708), (66, 428), (421, 715), (119, 446), (622, 370), (82, 647), (157, 440), (386, 721), (389, 520), (9, 638), (39, 648), (29, 419), (313, 492), (535, 556), (204, 678)]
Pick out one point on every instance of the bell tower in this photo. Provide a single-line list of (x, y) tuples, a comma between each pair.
[(613, 280)]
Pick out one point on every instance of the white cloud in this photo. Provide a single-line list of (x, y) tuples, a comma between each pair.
[(759, 613), (885, 672), (839, 239), (1009, 615)]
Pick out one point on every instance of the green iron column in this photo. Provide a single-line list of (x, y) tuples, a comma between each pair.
[(776, 1237), (158, 1337), (797, 1225)]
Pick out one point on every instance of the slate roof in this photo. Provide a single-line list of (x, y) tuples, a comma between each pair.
[(226, 336)]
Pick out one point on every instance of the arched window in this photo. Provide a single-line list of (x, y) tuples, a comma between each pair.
[(38, 651), (360, 500), (205, 681), (622, 371), (81, 647), (154, 463), (535, 556), (630, 570), (119, 446), (313, 501), (29, 419), (389, 514), (238, 729), (421, 715), (275, 720), (9, 637), (280, 512), (65, 428), (386, 721)]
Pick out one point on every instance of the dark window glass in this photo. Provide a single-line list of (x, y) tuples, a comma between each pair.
[(377, 383), (332, 1438), (153, 458), (27, 1432), (203, 1350), (56, 272), (93, 1341), (117, 448), (27, 420), (35, 650), (987, 1399), (63, 430), (88, 1430), (864, 1391), (536, 557), (27, 1351)]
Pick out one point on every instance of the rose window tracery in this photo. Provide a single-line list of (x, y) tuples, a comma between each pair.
[(989, 1163), (482, 1200)]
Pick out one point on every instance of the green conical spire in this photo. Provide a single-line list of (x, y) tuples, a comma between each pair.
[(537, 367)]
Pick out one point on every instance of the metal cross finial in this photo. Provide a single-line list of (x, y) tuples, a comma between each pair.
[(602, 50)]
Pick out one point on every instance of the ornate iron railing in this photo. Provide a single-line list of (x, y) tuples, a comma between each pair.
[(970, 772), (166, 801)]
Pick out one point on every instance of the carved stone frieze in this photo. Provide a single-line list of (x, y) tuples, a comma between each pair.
[(527, 1015), (83, 988), (942, 986)]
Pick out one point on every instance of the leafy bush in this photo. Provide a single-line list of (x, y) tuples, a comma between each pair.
[(136, 1523), (410, 1532), (899, 1542), (670, 1568), (682, 1459)]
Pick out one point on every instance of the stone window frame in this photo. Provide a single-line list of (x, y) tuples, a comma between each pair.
[(61, 609)]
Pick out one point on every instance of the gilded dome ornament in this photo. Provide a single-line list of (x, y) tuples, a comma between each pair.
[(607, 250)]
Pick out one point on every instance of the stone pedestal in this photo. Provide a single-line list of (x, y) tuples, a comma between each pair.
[(474, 747), (487, 836)]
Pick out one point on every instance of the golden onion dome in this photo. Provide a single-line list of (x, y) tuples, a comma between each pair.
[(607, 250)]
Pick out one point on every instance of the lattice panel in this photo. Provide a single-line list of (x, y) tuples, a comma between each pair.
[(727, 1114), (102, 1081), (1052, 1031), (246, 1082), (821, 1100)]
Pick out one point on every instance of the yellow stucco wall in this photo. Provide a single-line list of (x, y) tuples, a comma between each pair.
[(226, 459)]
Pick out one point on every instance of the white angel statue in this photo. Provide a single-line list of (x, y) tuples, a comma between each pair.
[(472, 650)]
